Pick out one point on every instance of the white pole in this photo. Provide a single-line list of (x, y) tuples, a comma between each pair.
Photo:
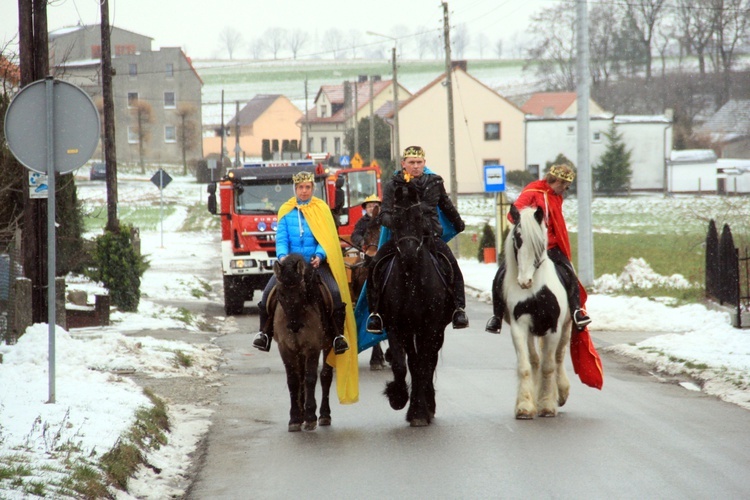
[(585, 235), (49, 85)]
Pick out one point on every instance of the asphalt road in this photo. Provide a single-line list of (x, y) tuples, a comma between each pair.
[(640, 437)]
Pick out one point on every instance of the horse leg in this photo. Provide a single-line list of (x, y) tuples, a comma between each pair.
[(548, 393), (430, 388), (525, 400), (377, 362), (294, 386), (418, 359), (311, 380), (326, 377), (563, 384), (397, 391)]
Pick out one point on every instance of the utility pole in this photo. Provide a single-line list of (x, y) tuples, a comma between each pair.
[(451, 130), (585, 235), (396, 146), (223, 134), (307, 122), (347, 100), (34, 62), (372, 125), (108, 106), (356, 124), (237, 134)]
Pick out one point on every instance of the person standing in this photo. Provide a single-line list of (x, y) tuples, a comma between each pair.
[(433, 196), (546, 193)]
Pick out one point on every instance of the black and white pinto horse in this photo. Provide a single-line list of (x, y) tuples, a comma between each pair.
[(416, 304), (302, 329), (537, 310)]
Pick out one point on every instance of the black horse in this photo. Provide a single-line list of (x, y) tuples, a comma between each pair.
[(303, 328), (416, 305)]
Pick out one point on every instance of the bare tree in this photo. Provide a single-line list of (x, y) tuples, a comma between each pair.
[(143, 114), (483, 44), (333, 42), (187, 131), (499, 48), (296, 40), (257, 48), (355, 39), (731, 30), (643, 16), (697, 21), (602, 19), (460, 40), (274, 40), (422, 40), (231, 40), (552, 47)]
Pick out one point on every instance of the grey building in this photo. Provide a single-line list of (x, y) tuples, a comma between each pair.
[(157, 94)]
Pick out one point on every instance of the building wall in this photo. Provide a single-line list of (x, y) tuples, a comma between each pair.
[(547, 138), (424, 122), (692, 177), (79, 43), (650, 143)]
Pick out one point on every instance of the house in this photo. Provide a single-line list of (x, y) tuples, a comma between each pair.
[(733, 175), (551, 130), (157, 94), (488, 128), (270, 117), (729, 129), (692, 171), (324, 126)]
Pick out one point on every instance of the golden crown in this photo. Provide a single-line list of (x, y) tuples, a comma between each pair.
[(303, 177), (413, 152), (563, 172)]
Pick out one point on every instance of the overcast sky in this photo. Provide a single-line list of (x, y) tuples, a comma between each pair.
[(195, 25)]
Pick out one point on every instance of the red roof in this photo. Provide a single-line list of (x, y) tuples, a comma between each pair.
[(335, 94), (557, 102)]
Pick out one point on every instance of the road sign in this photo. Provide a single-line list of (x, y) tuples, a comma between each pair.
[(344, 161), (494, 178), (38, 185), (357, 161), (161, 179), (74, 127)]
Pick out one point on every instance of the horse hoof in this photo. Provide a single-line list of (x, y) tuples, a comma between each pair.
[(324, 421), (295, 427), (548, 413), (376, 367), (523, 415), (419, 422), (310, 426)]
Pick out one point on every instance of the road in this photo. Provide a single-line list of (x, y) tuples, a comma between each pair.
[(640, 436)]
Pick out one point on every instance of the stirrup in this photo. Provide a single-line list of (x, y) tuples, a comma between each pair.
[(374, 323), (262, 342), (581, 319), (340, 345)]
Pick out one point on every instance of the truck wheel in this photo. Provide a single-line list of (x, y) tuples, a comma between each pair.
[(234, 296)]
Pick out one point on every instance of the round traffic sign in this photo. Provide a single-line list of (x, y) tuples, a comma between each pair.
[(75, 128)]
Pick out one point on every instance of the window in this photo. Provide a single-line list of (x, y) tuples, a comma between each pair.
[(337, 145), (492, 161), (597, 137), (133, 69), (323, 145), (169, 70), (169, 100), (132, 99), (323, 111), (492, 131), (533, 170), (309, 144), (170, 133), (571, 130), (132, 135)]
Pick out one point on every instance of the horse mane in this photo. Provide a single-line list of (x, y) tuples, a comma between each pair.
[(534, 232)]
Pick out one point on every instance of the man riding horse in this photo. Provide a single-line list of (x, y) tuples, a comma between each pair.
[(547, 194), (433, 197)]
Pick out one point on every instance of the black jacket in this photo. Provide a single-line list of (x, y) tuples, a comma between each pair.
[(432, 193), (360, 229)]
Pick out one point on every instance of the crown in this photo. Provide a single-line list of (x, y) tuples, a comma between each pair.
[(562, 172), (413, 152), (303, 177)]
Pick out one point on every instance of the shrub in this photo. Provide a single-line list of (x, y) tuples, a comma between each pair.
[(487, 241), (519, 178), (119, 267)]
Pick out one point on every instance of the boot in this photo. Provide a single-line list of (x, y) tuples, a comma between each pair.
[(374, 323), (495, 323), (262, 340), (581, 319), (340, 345), (460, 320)]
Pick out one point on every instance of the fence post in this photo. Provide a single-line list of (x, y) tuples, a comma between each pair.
[(712, 260)]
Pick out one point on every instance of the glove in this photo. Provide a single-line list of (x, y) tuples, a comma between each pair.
[(460, 226)]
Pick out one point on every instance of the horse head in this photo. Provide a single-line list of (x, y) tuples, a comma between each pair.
[(528, 238), (293, 279), (408, 225)]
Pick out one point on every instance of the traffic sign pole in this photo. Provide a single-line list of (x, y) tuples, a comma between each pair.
[(51, 251)]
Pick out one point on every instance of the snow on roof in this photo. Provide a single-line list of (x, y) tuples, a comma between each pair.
[(64, 31), (642, 119), (692, 155)]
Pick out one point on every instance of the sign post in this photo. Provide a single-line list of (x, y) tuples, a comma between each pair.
[(161, 179), (63, 118), (494, 182)]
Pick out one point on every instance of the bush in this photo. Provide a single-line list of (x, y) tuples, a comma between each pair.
[(487, 241), (519, 178), (120, 268)]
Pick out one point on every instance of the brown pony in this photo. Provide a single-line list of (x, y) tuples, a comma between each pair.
[(303, 329)]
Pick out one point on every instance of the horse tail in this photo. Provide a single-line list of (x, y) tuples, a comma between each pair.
[(397, 393)]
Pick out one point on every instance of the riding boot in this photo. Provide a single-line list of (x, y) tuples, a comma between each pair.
[(580, 318), (459, 320), (374, 321), (340, 345), (495, 323), (262, 340)]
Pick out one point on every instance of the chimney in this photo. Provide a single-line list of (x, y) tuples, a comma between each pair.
[(460, 64), (362, 79), (376, 78)]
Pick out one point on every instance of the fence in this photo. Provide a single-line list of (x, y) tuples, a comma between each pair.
[(727, 274), (10, 269)]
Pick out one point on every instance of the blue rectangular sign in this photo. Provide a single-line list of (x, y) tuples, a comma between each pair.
[(494, 178)]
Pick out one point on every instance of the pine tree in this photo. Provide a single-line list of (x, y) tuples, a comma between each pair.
[(612, 173)]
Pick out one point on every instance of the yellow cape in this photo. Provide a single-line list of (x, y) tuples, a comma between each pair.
[(319, 218)]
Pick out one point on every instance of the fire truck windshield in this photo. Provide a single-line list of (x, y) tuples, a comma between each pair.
[(267, 197)]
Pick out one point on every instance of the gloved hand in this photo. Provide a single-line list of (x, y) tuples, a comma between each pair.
[(460, 226)]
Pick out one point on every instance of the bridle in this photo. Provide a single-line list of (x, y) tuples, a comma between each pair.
[(420, 241), (538, 259)]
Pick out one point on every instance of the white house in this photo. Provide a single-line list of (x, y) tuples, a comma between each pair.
[(692, 171), (649, 138), (733, 175)]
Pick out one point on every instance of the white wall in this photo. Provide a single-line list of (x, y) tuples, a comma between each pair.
[(692, 177), (650, 143), (735, 183)]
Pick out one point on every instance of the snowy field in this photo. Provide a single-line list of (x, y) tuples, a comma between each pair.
[(95, 403)]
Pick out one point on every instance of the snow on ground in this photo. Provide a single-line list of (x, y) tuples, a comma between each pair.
[(95, 404)]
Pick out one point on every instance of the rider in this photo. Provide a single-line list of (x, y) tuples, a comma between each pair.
[(546, 193), (432, 193), (305, 222), (360, 229)]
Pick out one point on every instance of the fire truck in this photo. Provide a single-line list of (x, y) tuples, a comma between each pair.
[(249, 198)]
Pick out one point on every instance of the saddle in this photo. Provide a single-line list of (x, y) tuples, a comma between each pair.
[(383, 268), (324, 296)]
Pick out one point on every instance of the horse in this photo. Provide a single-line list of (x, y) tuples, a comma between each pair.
[(303, 329), (537, 309), (416, 304)]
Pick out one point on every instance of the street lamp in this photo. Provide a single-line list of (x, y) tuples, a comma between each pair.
[(395, 96)]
